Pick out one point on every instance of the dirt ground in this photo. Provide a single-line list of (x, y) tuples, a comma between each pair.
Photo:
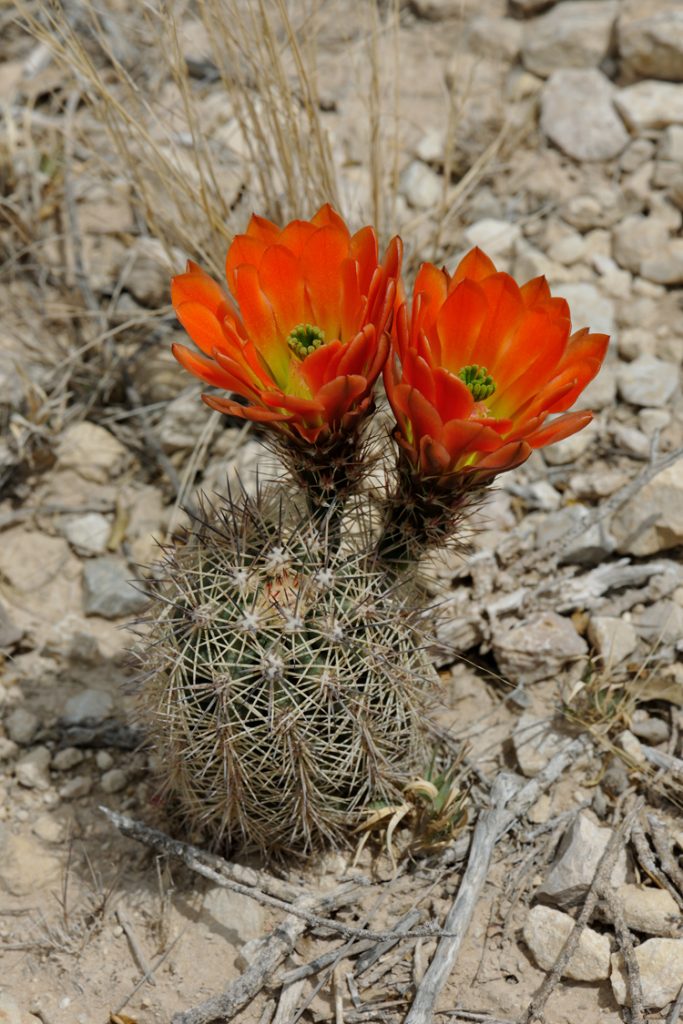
[(564, 618)]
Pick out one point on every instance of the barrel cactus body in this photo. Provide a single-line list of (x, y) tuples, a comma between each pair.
[(285, 687)]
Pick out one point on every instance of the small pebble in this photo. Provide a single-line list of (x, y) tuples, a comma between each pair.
[(67, 758), (104, 760), (77, 787), (8, 749), (22, 725), (33, 769), (114, 781)]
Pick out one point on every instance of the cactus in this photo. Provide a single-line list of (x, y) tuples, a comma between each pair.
[(285, 682)]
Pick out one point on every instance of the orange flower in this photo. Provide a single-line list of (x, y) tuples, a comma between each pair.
[(480, 365), (302, 333)]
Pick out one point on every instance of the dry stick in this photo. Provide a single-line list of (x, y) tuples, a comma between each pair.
[(598, 885), (226, 874), (647, 862), (508, 802), (276, 947), (136, 948), (663, 844), (676, 1009), (627, 949)]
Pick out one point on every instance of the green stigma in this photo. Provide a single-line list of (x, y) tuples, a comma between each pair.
[(304, 339), (478, 380)]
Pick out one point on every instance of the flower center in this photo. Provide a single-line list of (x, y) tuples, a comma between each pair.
[(478, 380), (304, 339)]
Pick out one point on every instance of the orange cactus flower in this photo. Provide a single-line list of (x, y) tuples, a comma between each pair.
[(301, 333), (478, 368)]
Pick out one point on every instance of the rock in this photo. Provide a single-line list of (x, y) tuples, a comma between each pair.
[(45, 575), (535, 743), (92, 452), (648, 382), (577, 858), (631, 440), (652, 520), (650, 41), (614, 639), (545, 933), (76, 788), (652, 730), (636, 154), (665, 266), (9, 1010), (538, 648), (661, 973), (114, 780), (671, 144), (650, 105), (637, 238), (104, 760), (570, 531), (22, 725), (422, 187), (575, 34), (571, 448), (496, 38), (149, 280), (183, 422), (236, 918), (603, 208), (496, 237), (24, 865), (597, 484), (653, 911), (49, 829), (578, 115), (67, 758), (108, 590), (8, 749), (437, 10), (88, 534), (88, 708), (32, 770), (526, 8), (660, 623), (631, 746), (601, 393), (588, 305), (9, 633)]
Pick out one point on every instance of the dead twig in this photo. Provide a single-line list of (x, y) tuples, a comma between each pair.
[(627, 949), (599, 885), (275, 948), (508, 801), (136, 948), (662, 841)]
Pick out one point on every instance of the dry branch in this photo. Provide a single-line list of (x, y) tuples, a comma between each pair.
[(509, 800)]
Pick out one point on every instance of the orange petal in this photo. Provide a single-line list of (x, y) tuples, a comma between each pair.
[(245, 412), (563, 426), (535, 291), (461, 437), (259, 321), (363, 250), (476, 266), (459, 325), (505, 308), (205, 369), (202, 326), (281, 282), (358, 353), (263, 229), (327, 216), (293, 403), (528, 358), (429, 295), (321, 261), (320, 366), (244, 250), (339, 394), (452, 397), (196, 286), (435, 459), (422, 415), (418, 373), (295, 235), (509, 456)]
